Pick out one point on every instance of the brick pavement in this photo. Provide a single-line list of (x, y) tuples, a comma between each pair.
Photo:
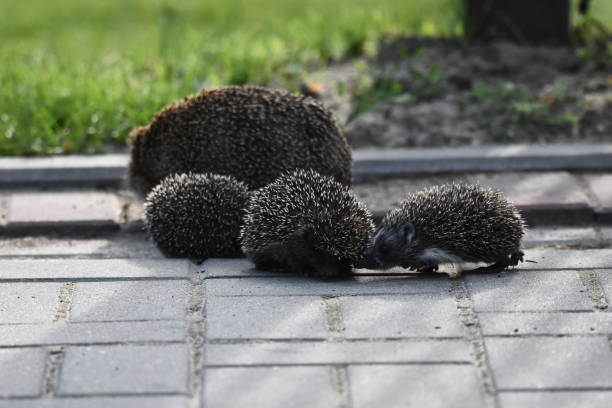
[(87, 322)]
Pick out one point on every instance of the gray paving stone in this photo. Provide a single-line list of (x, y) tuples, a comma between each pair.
[(55, 209), (32, 302), (605, 279), (100, 402), (21, 372), (590, 399), (432, 386), (528, 291), (124, 369), (94, 268), (406, 351), (567, 259), (561, 236), (117, 246), (224, 267), (400, 316), (600, 185), (80, 333), (129, 300), (266, 317), (305, 286), (545, 323), (270, 387), (550, 362)]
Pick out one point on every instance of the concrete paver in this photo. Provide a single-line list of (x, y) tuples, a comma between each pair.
[(550, 362), (266, 317), (128, 300), (98, 332), (292, 285), (101, 402), (31, 302), (94, 268), (362, 352), (519, 324), (528, 291), (33, 210), (133, 369), (400, 316), (270, 387), (413, 385), (21, 372), (590, 399)]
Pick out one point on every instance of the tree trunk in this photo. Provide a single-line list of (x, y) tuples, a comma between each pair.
[(531, 22)]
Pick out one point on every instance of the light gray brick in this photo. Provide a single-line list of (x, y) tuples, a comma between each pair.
[(33, 302), (545, 323), (527, 291), (561, 235), (400, 316), (432, 386), (129, 300), (101, 402), (407, 351), (550, 362), (564, 259), (270, 387), (94, 268), (590, 399), (21, 371), (124, 369), (80, 333), (53, 208), (266, 317), (224, 267), (305, 286), (117, 246)]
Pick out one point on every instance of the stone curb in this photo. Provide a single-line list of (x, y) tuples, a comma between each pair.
[(105, 169), (369, 164)]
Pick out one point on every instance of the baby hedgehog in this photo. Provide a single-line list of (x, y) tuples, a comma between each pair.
[(449, 224), (196, 215), (307, 224), (251, 133)]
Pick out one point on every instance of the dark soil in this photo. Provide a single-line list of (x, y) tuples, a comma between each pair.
[(441, 92)]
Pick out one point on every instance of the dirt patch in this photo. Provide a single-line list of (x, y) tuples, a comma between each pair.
[(441, 92)]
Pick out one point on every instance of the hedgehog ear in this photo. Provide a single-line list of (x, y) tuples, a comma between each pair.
[(409, 232)]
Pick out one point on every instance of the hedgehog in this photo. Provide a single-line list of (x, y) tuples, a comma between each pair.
[(308, 224), (196, 215), (251, 133), (449, 224)]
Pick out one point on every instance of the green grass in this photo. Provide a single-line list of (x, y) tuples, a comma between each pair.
[(78, 74)]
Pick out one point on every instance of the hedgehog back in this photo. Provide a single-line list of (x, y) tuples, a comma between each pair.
[(251, 133), (475, 223), (306, 200)]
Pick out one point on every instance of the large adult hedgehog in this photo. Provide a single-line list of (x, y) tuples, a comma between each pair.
[(306, 223), (253, 134), (451, 223), (196, 215)]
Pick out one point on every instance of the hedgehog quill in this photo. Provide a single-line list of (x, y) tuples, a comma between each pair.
[(449, 224), (251, 133), (196, 215), (307, 224)]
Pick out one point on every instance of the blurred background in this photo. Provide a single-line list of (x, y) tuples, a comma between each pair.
[(77, 75)]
